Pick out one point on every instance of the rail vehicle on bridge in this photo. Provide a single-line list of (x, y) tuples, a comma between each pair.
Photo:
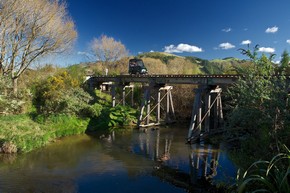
[(136, 66)]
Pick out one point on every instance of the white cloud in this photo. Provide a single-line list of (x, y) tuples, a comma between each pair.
[(86, 55), (227, 30), (81, 53), (288, 41), (246, 42), (182, 48), (266, 49), (226, 46), (152, 51), (272, 29)]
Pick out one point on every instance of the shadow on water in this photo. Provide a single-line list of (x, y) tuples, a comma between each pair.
[(156, 160)]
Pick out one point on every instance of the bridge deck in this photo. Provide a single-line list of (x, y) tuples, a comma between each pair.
[(167, 79)]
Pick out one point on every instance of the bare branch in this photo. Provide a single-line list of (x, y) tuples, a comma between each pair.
[(31, 29), (107, 49)]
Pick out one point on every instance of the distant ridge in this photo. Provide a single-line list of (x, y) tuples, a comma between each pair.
[(162, 62)]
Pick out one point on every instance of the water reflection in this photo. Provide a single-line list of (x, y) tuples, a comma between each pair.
[(191, 167), (117, 162), (203, 160)]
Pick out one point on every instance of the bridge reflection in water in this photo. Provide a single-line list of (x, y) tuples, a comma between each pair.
[(189, 166)]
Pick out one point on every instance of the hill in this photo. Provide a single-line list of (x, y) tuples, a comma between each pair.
[(165, 63)]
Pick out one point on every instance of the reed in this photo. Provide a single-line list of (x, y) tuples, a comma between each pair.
[(267, 176)]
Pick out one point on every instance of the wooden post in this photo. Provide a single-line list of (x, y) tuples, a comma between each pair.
[(195, 109), (167, 106), (158, 106), (221, 116), (148, 105), (172, 107), (215, 111), (113, 92), (207, 110), (124, 95), (132, 95), (144, 102), (199, 117)]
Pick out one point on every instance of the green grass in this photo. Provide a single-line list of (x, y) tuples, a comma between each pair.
[(28, 134)]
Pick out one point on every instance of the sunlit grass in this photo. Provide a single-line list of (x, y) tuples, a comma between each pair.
[(28, 134)]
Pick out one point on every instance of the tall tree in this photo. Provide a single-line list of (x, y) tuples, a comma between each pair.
[(30, 30), (108, 50), (285, 60), (258, 102)]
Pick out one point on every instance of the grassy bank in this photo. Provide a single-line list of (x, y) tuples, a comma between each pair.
[(24, 133)]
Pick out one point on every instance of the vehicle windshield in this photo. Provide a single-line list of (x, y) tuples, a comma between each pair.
[(140, 63), (136, 63)]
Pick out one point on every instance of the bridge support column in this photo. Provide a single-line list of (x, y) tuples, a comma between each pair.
[(212, 115), (124, 94), (147, 103), (126, 90), (113, 94)]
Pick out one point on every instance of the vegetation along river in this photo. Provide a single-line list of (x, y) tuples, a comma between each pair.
[(157, 160)]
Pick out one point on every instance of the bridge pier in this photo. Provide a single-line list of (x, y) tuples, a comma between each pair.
[(163, 93), (207, 108), (207, 104), (126, 90), (125, 93)]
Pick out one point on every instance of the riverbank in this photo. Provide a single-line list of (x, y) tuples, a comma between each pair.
[(23, 133)]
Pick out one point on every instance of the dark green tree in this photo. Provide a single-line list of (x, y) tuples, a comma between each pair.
[(258, 109), (284, 63)]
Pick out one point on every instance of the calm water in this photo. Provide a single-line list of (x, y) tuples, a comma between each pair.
[(132, 161)]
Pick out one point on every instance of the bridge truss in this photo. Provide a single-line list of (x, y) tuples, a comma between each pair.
[(207, 106)]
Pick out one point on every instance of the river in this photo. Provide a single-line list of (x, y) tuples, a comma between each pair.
[(157, 160)]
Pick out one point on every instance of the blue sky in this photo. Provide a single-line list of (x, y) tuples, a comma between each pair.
[(207, 29)]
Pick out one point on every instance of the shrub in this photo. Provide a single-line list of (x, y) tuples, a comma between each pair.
[(117, 116), (258, 102), (61, 94), (11, 103)]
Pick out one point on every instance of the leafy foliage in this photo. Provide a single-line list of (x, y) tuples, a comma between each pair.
[(61, 94), (117, 116), (258, 103), (267, 176), (11, 103)]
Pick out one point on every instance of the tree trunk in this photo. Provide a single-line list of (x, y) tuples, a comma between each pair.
[(15, 85)]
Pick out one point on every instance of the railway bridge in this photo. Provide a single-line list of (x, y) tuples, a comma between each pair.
[(207, 102)]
